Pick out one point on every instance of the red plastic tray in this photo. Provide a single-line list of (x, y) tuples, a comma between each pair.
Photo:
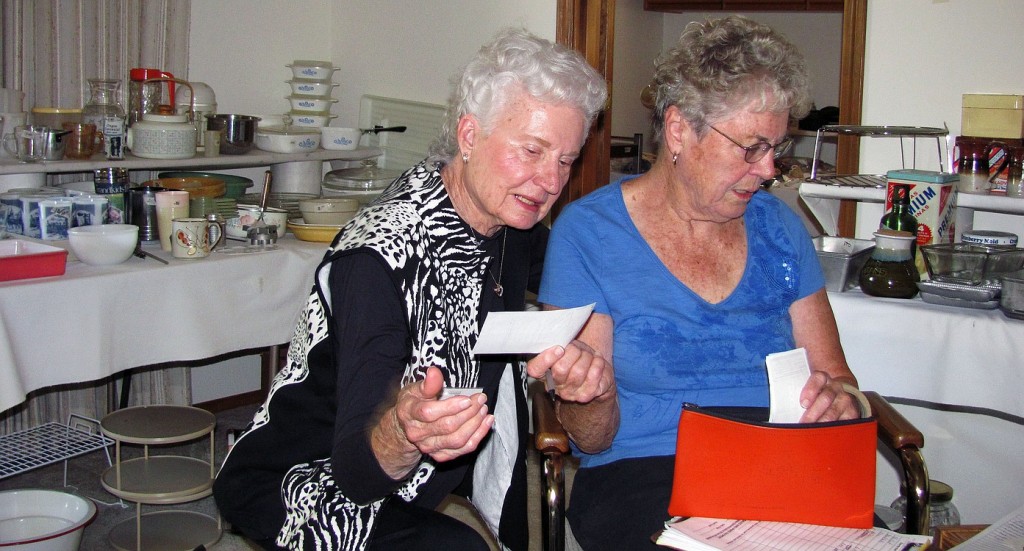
[(25, 259)]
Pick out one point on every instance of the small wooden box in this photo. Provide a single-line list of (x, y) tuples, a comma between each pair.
[(993, 115)]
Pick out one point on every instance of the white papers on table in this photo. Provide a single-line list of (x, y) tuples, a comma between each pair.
[(709, 534), (1006, 534), (530, 332), (787, 375)]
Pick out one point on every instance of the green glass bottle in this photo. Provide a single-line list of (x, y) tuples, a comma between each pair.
[(899, 218)]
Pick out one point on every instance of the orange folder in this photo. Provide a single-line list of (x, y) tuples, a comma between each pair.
[(813, 473)]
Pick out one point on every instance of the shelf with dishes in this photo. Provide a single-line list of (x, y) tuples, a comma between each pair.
[(256, 157)]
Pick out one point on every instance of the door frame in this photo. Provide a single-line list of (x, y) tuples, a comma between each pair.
[(588, 26)]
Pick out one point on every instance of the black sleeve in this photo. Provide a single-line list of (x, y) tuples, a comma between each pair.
[(538, 246), (371, 349)]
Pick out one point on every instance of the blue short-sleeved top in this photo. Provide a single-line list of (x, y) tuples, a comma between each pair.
[(671, 346)]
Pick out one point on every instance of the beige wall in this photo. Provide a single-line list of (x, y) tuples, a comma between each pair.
[(400, 48)]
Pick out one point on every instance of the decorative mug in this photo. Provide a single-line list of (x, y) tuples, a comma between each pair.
[(195, 237)]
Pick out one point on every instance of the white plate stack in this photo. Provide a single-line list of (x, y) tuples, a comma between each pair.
[(311, 86)]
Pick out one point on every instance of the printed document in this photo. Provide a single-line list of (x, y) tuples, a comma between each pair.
[(710, 534), (1007, 534)]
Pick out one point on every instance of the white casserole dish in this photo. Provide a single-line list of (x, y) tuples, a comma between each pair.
[(291, 139)]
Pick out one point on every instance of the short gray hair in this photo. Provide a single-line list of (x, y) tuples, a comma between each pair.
[(720, 65), (514, 62)]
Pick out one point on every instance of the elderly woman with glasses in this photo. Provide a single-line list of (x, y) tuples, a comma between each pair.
[(697, 275)]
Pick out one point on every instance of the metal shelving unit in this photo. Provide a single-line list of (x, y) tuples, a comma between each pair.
[(901, 132), (50, 443)]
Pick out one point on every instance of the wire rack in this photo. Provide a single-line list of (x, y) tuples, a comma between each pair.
[(49, 443)]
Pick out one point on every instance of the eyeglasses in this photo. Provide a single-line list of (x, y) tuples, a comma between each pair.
[(756, 152)]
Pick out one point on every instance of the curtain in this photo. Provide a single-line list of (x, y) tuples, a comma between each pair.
[(49, 49)]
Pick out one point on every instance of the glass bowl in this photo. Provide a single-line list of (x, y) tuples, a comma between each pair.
[(970, 264)]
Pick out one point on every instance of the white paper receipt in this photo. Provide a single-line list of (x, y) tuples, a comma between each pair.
[(530, 332), (787, 374)]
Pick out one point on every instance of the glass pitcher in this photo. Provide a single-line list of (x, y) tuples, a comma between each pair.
[(890, 272), (145, 94), (973, 163), (1013, 164), (105, 111)]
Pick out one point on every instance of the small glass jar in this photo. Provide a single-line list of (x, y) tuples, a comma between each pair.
[(942, 511)]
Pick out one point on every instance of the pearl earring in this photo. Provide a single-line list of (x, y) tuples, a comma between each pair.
[(675, 157)]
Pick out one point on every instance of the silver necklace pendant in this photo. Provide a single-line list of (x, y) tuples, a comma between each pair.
[(498, 289)]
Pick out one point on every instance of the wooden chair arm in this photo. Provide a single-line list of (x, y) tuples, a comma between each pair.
[(902, 438), (895, 430), (548, 434)]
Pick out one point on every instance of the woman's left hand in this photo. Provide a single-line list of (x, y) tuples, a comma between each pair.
[(824, 399)]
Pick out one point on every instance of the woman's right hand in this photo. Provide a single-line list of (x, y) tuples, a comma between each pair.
[(578, 372), (421, 424)]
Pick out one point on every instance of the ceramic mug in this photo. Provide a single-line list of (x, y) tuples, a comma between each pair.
[(195, 237), (88, 210), (55, 218), (170, 204)]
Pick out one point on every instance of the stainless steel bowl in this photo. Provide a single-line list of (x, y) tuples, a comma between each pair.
[(238, 132)]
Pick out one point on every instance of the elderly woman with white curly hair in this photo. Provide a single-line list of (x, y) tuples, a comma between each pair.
[(359, 441)]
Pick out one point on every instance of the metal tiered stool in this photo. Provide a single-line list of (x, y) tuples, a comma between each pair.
[(161, 479)]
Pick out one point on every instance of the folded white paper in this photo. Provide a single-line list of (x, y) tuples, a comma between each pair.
[(787, 374), (530, 332)]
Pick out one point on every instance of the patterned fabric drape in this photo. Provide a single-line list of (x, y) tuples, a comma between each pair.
[(49, 49)]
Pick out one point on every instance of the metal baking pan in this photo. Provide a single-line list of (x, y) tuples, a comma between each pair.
[(959, 302), (977, 293)]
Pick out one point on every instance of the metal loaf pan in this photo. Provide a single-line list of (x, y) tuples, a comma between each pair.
[(841, 259)]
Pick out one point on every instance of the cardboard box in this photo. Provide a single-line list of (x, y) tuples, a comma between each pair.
[(932, 202), (992, 115)]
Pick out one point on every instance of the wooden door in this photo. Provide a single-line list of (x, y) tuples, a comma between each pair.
[(588, 26)]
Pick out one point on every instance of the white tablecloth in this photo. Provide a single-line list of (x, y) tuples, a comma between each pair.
[(913, 349), (946, 356), (95, 321)]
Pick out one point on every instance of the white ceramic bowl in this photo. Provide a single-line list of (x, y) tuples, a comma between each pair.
[(339, 139), (304, 87), (311, 103), (247, 216), (311, 119), (287, 140), (310, 69), (334, 211), (43, 520), (104, 244)]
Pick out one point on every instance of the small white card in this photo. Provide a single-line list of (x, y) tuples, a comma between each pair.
[(787, 374), (530, 332)]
